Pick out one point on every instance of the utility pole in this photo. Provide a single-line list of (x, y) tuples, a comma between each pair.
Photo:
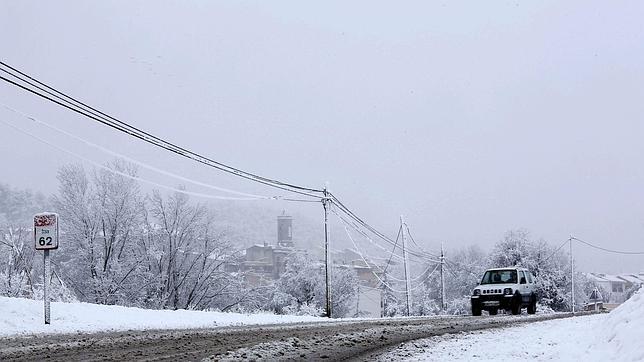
[(442, 280), (404, 248), (572, 276), (358, 303), (326, 203)]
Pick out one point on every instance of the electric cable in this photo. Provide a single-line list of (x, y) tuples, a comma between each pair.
[(556, 250), (609, 250), (352, 215), (124, 174), (117, 124), (419, 247), (355, 227), (384, 272), (394, 249), (75, 102), (131, 160), (363, 259)]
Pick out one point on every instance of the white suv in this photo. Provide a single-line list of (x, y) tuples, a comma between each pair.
[(505, 288)]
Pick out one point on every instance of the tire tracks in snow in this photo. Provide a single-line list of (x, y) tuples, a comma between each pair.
[(333, 340)]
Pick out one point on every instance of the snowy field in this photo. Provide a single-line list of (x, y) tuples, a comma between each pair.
[(616, 336), (25, 316)]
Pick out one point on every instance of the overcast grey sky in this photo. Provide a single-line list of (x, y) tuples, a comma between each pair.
[(470, 118)]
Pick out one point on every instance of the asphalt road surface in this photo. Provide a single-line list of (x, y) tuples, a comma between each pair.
[(334, 340)]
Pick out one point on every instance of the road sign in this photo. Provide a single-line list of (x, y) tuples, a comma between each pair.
[(46, 231), (46, 238)]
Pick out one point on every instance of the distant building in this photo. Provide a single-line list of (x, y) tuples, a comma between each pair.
[(615, 287), (285, 231), (265, 262), (632, 279), (368, 302)]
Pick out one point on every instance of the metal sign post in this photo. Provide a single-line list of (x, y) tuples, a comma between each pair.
[(45, 289), (46, 238)]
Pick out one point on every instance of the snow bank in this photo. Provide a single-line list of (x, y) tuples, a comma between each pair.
[(621, 336), (616, 336), (25, 316), (554, 340)]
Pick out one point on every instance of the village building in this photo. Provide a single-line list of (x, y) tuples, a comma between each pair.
[(614, 288), (264, 262)]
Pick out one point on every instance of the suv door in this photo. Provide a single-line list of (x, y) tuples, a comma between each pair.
[(524, 286), (532, 281)]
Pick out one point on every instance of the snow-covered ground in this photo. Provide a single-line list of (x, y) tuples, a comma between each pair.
[(25, 316), (616, 336)]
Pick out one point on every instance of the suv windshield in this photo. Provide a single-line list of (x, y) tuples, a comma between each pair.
[(499, 277)]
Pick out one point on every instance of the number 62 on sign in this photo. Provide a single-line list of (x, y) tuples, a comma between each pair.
[(46, 231)]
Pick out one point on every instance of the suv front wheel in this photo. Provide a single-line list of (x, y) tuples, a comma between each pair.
[(516, 304), (476, 309)]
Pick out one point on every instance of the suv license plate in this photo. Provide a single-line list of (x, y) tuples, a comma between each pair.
[(491, 302)]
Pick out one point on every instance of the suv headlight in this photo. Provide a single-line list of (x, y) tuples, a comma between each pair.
[(507, 291), (477, 292)]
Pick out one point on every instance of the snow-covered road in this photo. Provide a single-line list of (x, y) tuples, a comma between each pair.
[(135, 334), (616, 336)]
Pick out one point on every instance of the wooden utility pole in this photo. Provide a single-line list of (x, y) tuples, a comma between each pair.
[(572, 276), (404, 248), (326, 203), (442, 280)]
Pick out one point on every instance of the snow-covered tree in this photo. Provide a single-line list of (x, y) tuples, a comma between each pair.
[(100, 220), (426, 299), (186, 255), (16, 262), (391, 300), (302, 290), (18, 275), (298, 286), (549, 265), (462, 272), (344, 289)]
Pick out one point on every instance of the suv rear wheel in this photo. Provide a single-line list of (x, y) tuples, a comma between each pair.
[(532, 307)]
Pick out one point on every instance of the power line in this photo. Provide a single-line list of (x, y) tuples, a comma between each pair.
[(131, 160), (609, 250), (394, 249), (391, 254), (376, 275), (357, 229), (57, 97), (556, 250), (81, 108), (124, 174), (461, 267), (373, 230), (65, 98), (427, 277), (350, 213), (419, 247), (367, 263), (416, 279)]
